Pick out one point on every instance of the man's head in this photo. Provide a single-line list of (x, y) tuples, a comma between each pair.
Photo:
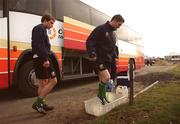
[(116, 21), (48, 21)]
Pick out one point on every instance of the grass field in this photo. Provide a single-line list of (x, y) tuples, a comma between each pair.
[(158, 105)]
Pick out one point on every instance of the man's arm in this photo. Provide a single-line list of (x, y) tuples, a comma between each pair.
[(38, 43), (91, 43), (116, 51)]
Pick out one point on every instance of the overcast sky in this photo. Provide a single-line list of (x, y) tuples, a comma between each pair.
[(157, 20)]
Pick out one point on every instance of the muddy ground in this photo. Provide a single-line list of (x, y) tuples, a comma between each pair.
[(68, 100)]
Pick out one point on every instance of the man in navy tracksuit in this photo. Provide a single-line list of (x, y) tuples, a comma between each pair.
[(43, 68), (101, 47)]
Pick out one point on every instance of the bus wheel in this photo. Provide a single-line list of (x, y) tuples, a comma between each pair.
[(28, 83)]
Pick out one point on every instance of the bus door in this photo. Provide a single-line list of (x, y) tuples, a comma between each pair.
[(3, 54), (4, 46)]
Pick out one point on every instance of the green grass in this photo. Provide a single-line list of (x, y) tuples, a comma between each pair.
[(158, 105), (176, 71)]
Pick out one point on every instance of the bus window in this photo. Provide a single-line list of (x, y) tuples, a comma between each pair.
[(73, 9), (1, 8), (39, 7), (98, 18)]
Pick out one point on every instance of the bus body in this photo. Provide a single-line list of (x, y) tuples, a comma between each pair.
[(75, 21)]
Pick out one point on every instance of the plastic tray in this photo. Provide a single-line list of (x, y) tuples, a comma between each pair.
[(94, 107)]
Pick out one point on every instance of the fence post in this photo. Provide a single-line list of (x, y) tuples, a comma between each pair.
[(131, 82)]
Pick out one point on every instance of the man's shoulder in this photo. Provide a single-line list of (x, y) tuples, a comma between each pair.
[(38, 27), (100, 28)]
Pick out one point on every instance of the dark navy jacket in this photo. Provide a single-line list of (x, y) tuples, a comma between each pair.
[(40, 42), (101, 43)]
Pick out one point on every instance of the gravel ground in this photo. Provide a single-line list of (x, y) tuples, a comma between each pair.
[(68, 101)]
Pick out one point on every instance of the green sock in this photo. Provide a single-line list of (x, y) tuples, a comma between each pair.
[(103, 92), (39, 100), (102, 89), (44, 101)]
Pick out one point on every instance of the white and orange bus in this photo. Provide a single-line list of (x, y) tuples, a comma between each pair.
[(75, 21)]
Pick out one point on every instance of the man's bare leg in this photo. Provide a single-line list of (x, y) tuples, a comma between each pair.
[(104, 77), (45, 86)]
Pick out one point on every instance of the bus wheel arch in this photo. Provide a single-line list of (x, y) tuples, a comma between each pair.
[(25, 56), (56, 66), (25, 75)]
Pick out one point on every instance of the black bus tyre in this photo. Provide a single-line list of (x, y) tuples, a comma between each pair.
[(28, 84)]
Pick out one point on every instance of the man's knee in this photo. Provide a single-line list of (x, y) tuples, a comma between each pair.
[(105, 79), (54, 80), (104, 76), (43, 82)]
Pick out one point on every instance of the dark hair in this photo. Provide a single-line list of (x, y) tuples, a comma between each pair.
[(47, 18), (118, 18)]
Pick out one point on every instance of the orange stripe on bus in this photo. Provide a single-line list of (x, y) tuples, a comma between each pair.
[(76, 28), (4, 80), (3, 53), (122, 69), (122, 63), (4, 62), (16, 54), (4, 65), (75, 35), (13, 54), (71, 44), (123, 59)]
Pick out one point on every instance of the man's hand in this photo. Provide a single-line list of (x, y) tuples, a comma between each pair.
[(109, 86), (46, 64)]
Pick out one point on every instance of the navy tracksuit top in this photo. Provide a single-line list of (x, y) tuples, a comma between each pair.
[(40, 42), (102, 43)]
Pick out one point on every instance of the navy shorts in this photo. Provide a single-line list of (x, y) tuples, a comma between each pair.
[(41, 71)]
